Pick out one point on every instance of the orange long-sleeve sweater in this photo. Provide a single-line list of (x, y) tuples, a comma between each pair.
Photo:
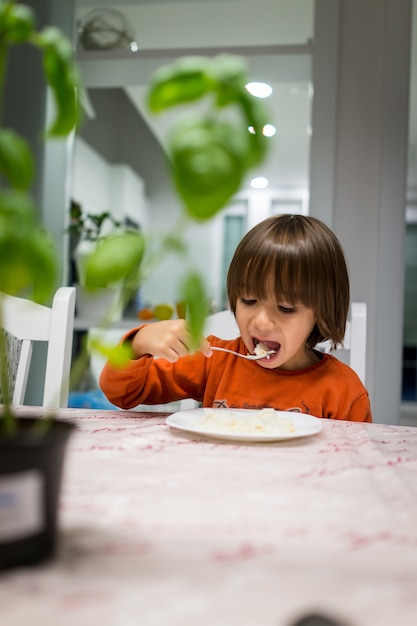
[(328, 389)]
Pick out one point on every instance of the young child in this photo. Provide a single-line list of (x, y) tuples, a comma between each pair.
[(288, 288)]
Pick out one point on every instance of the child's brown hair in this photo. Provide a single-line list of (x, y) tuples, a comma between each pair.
[(294, 258)]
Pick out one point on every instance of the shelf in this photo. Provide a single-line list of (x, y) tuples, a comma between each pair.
[(84, 323)]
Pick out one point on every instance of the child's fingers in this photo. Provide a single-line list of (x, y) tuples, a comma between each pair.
[(163, 339), (205, 348)]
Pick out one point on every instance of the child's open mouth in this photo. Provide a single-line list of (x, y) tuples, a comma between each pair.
[(267, 348)]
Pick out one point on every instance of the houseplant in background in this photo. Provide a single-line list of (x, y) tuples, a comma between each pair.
[(209, 157), (86, 232), (86, 229)]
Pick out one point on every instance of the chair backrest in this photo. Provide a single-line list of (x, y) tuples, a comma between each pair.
[(222, 324), (355, 338), (28, 322), (352, 351)]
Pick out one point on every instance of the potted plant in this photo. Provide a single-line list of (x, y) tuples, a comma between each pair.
[(208, 157), (86, 232), (31, 458), (32, 451), (86, 229)]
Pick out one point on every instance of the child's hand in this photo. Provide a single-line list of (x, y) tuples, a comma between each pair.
[(169, 339)]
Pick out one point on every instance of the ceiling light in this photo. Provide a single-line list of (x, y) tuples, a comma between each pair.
[(269, 130), (260, 182), (260, 90)]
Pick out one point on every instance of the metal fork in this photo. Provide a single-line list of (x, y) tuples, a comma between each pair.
[(250, 357)]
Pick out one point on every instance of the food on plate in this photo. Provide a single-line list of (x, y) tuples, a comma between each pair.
[(264, 421)]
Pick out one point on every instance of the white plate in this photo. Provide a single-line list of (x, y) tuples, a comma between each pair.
[(190, 421)]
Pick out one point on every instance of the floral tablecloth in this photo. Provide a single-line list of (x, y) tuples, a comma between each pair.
[(162, 528)]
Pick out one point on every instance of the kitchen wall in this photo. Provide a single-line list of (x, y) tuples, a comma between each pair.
[(359, 162), (99, 185), (366, 178)]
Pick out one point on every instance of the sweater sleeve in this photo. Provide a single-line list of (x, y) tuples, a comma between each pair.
[(149, 380), (360, 410)]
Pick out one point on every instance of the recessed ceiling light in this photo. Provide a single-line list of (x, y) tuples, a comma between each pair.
[(260, 182), (260, 90), (269, 130)]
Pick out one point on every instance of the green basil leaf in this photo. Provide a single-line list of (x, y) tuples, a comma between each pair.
[(118, 355), (229, 68), (63, 78), (173, 243), (44, 262), (17, 22), (51, 38), (210, 157), (256, 117), (16, 160), (17, 208), (229, 77), (208, 160), (193, 293), (186, 80), (115, 258), (27, 258)]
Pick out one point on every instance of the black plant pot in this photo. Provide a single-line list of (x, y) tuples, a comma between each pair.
[(31, 467)]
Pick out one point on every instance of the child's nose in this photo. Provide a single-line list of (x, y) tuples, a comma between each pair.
[(264, 319)]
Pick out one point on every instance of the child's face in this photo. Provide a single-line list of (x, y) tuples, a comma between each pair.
[(279, 326)]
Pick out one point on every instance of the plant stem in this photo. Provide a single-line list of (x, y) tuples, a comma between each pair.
[(80, 364), (158, 255)]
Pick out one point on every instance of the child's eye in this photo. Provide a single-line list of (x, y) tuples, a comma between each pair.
[(248, 301), (287, 309)]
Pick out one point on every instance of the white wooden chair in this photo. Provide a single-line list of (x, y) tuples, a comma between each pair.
[(222, 324), (353, 349), (26, 322)]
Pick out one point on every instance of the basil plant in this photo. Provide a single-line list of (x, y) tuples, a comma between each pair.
[(209, 155)]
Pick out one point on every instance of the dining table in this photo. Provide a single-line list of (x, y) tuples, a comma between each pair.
[(163, 527)]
